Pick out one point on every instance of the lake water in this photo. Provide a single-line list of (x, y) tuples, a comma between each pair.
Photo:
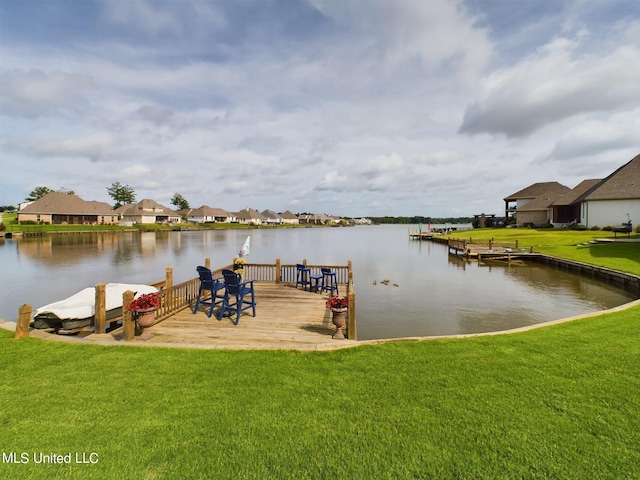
[(436, 294)]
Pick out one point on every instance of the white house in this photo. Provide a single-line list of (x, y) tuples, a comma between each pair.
[(614, 200), (250, 216), (147, 211), (207, 214)]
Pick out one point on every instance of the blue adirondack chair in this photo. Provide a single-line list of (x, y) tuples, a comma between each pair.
[(303, 274), (211, 285), (238, 296), (329, 281)]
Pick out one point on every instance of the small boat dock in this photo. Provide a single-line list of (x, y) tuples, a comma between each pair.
[(287, 318)]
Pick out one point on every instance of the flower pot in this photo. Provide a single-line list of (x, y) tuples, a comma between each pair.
[(145, 319), (339, 320)]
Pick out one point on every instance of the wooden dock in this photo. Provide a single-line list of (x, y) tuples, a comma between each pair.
[(287, 318)]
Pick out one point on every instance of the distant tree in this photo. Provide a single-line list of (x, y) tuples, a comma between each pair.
[(37, 193), (40, 192), (179, 201), (122, 194)]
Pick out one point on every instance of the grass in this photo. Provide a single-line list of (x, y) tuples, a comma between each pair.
[(556, 402), (570, 244), (559, 402)]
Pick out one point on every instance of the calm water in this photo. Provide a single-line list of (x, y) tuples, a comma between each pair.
[(436, 294)]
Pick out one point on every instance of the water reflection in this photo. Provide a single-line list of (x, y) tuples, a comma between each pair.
[(436, 294)]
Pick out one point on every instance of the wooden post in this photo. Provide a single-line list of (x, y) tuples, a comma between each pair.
[(128, 324), (352, 332), (278, 271), (169, 277), (100, 315), (24, 318), (516, 243), (207, 263)]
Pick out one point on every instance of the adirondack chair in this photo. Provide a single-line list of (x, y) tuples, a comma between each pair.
[(238, 296), (211, 285), (303, 274), (329, 281)]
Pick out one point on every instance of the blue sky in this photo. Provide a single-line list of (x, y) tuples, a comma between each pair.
[(360, 107)]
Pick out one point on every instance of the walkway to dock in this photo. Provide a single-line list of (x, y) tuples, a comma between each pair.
[(286, 319)]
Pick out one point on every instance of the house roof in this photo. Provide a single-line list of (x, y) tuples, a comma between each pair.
[(537, 189), (206, 210), (573, 195), (65, 204), (271, 214), (624, 183), (145, 207), (542, 202), (249, 214), (288, 215)]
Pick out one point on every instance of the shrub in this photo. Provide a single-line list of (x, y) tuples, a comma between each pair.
[(2, 227), (608, 228), (595, 227)]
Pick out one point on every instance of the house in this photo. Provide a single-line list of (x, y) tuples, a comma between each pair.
[(63, 208), (271, 217), (289, 218), (533, 203), (147, 211), (207, 214), (318, 218), (250, 216), (613, 200), (566, 209), (596, 202)]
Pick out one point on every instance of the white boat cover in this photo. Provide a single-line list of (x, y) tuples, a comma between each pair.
[(82, 304)]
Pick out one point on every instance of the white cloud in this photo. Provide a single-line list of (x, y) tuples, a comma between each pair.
[(556, 82), (35, 93)]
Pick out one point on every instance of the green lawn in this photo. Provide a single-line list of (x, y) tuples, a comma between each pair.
[(569, 244), (556, 402)]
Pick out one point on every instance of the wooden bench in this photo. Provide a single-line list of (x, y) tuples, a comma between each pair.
[(624, 228)]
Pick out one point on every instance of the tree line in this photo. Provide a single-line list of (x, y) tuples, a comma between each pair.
[(121, 194)]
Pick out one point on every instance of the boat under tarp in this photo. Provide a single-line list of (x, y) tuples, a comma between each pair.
[(78, 310)]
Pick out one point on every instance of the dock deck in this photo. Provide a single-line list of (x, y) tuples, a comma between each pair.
[(286, 319)]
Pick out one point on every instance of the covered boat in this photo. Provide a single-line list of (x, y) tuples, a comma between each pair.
[(78, 310)]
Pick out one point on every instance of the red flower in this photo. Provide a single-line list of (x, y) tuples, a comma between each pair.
[(144, 302), (337, 302)]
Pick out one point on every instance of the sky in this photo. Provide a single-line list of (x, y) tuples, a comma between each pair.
[(355, 108)]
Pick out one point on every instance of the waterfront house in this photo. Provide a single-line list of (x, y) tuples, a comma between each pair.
[(207, 214), (147, 211), (62, 208), (596, 202), (611, 201), (289, 217), (532, 205), (271, 217), (250, 217), (566, 209)]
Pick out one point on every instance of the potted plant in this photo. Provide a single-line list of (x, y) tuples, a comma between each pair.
[(339, 307), (238, 265), (145, 307)]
